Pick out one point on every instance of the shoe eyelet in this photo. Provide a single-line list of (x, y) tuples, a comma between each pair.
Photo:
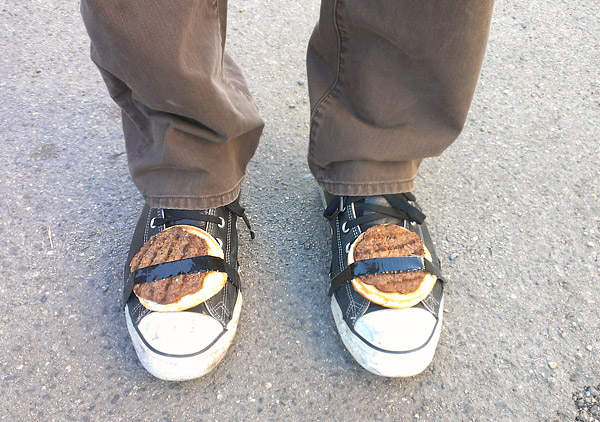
[(220, 242), (413, 223), (347, 248), (152, 223), (221, 223), (344, 228)]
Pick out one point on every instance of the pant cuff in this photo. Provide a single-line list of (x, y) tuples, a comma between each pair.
[(368, 189), (194, 202)]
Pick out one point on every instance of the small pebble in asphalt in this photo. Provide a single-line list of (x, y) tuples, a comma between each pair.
[(453, 256), (586, 402), (553, 365)]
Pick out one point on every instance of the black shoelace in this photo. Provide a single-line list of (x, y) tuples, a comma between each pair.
[(367, 213), (174, 217)]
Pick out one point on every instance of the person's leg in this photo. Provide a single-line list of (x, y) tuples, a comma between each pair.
[(190, 129), (390, 84), (190, 123)]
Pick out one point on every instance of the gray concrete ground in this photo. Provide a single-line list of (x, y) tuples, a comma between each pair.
[(514, 202)]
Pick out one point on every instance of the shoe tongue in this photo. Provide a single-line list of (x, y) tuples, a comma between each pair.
[(189, 217), (381, 201)]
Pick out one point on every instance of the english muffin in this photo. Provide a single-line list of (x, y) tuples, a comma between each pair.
[(402, 290), (184, 291)]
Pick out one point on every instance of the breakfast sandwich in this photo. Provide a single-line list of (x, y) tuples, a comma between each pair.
[(402, 290), (183, 291)]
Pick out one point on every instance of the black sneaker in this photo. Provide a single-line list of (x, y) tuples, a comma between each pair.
[(385, 341), (186, 344)]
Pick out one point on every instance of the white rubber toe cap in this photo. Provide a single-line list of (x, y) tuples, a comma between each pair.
[(189, 344), (397, 330), (402, 342), (179, 333)]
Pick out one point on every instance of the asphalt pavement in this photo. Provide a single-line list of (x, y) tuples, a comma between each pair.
[(513, 207)]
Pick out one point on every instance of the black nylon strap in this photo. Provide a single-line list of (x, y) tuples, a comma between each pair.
[(388, 265), (197, 264)]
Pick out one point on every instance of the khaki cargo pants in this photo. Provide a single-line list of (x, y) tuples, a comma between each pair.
[(390, 83)]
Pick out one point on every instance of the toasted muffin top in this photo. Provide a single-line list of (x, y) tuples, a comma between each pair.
[(390, 240), (172, 244)]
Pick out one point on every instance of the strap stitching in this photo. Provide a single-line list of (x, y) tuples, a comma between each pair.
[(339, 241), (359, 307), (352, 306), (430, 306), (223, 302), (228, 236), (147, 225), (356, 229)]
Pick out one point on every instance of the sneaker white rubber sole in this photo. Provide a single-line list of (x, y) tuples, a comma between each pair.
[(182, 368), (387, 364)]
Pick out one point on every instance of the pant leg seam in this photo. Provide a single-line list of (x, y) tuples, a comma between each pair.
[(223, 77), (320, 105), (339, 61)]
